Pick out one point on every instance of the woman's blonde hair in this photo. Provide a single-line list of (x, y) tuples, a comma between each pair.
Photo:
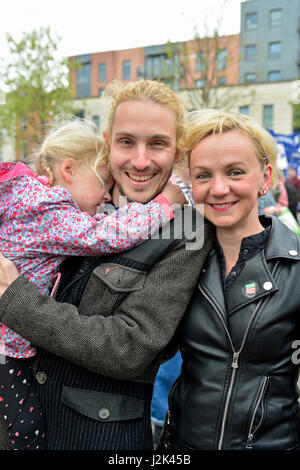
[(210, 121), (75, 139), (147, 90)]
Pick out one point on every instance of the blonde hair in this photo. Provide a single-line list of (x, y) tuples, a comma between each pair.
[(147, 90), (210, 121), (75, 139)]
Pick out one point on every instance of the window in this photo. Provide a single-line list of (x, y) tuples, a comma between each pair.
[(268, 116), (274, 76), (201, 61), (250, 52), (83, 80), (155, 65), (23, 123), (199, 83), (250, 77), (222, 81), (102, 72), (274, 50), (275, 17), (96, 121), (126, 69), (100, 91), (251, 20), (244, 110), (222, 59)]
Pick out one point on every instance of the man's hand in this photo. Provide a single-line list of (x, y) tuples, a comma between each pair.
[(173, 193), (8, 273)]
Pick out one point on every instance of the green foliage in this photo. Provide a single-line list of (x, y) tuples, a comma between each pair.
[(296, 117), (37, 85)]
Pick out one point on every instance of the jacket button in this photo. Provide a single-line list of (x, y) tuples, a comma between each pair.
[(104, 413), (41, 377), (293, 252), (268, 285)]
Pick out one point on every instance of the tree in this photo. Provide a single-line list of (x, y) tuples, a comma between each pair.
[(37, 87), (203, 65)]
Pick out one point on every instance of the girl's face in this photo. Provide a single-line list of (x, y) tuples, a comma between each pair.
[(88, 191), (227, 178)]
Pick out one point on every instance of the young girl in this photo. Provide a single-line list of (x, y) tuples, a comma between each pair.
[(44, 218)]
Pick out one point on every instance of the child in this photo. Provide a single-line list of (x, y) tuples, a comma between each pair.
[(47, 217)]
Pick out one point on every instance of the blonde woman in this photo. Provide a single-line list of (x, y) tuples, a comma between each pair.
[(237, 389)]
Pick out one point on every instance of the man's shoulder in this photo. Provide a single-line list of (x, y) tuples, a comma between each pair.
[(188, 230)]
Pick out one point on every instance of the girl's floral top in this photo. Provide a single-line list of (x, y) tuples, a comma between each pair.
[(41, 225)]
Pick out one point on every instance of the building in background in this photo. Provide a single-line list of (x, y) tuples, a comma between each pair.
[(255, 72), (269, 41)]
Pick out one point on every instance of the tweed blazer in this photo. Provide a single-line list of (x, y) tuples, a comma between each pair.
[(126, 316), (122, 327)]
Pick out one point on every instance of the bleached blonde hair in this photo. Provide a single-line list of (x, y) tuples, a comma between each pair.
[(75, 139), (210, 121), (147, 90)]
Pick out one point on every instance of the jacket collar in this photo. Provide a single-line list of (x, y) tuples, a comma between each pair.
[(282, 243)]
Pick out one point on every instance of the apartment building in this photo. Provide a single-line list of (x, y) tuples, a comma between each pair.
[(166, 62), (269, 41)]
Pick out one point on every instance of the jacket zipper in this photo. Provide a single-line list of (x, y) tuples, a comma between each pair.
[(261, 395), (236, 354)]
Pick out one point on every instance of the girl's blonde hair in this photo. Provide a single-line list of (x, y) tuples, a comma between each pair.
[(210, 121), (147, 90), (75, 139)]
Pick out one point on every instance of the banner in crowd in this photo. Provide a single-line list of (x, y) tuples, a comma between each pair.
[(288, 150)]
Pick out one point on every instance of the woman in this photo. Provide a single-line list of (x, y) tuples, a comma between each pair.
[(237, 389)]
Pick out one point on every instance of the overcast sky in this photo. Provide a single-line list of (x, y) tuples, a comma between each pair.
[(87, 26)]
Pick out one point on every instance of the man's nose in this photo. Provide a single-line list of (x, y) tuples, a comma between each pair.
[(141, 159)]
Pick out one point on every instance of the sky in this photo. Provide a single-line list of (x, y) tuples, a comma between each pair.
[(87, 26)]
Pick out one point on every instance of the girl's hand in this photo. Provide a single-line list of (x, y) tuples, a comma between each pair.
[(8, 273)]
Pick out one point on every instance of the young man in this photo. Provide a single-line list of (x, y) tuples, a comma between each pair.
[(101, 346)]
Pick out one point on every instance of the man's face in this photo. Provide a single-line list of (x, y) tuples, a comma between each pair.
[(142, 149)]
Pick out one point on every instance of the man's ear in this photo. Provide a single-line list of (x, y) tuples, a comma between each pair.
[(178, 156), (67, 169), (106, 138)]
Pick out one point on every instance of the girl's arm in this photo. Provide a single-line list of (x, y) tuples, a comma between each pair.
[(57, 226)]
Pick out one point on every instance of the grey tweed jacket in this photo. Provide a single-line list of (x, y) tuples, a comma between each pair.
[(126, 317)]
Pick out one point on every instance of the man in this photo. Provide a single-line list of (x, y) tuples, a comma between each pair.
[(293, 179), (117, 313)]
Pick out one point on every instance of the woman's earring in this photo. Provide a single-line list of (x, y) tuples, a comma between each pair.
[(263, 192)]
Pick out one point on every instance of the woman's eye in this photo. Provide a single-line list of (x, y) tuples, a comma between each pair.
[(235, 173)]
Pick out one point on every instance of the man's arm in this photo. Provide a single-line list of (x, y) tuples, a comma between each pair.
[(121, 345)]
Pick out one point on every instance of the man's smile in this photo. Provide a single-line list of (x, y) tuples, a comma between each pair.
[(140, 178)]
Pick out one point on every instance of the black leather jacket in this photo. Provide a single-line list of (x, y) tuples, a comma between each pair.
[(237, 389)]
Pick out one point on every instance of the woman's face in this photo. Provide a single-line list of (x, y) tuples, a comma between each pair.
[(227, 178)]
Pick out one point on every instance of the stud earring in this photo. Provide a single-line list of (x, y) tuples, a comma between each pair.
[(263, 192)]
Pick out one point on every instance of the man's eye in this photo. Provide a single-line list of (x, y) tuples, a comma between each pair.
[(125, 142), (202, 176), (158, 143)]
